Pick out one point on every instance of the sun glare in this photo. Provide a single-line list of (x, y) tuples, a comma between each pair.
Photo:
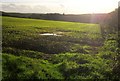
[(91, 6)]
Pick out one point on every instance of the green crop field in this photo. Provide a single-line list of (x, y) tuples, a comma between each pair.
[(35, 27), (45, 49)]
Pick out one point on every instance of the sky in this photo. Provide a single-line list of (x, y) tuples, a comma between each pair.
[(59, 6)]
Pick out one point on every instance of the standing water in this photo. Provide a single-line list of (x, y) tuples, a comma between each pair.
[(52, 34)]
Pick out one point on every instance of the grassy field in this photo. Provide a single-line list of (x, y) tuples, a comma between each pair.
[(71, 51), (70, 35), (34, 27)]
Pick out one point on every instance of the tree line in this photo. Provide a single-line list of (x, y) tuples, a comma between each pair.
[(83, 18)]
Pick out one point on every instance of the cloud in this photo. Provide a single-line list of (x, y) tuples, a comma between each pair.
[(25, 8), (33, 1), (59, 6), (15, 8), (41, 8)]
